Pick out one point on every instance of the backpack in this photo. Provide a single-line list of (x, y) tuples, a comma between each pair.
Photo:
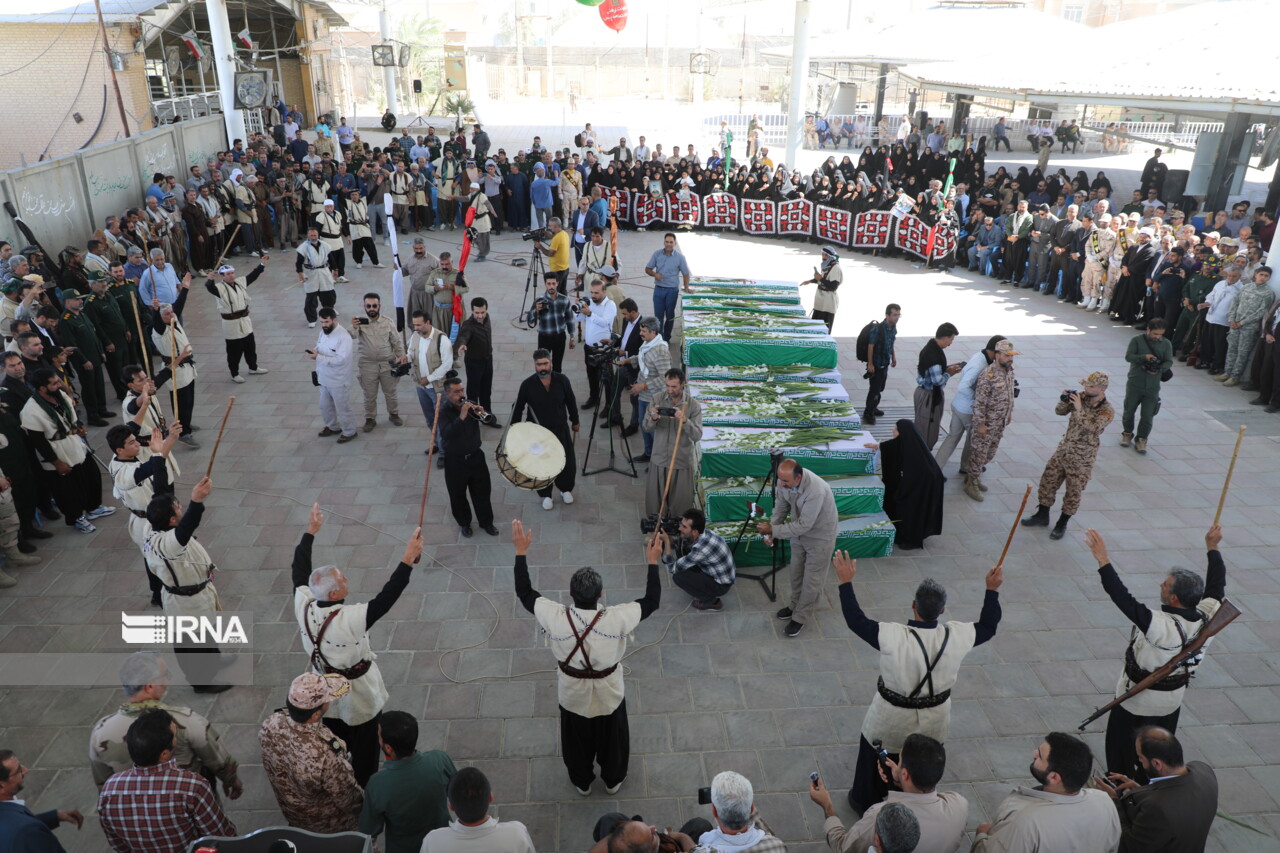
[(578, 140), (864, 340)]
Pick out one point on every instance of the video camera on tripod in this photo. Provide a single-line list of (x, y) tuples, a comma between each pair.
[(599, 355), (538, 234)]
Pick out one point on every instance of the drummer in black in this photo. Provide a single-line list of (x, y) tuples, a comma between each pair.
[(549, 397), (465, 470)]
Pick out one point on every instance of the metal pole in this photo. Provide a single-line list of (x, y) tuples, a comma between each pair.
[(204, 86), (882, 83), (799, 78), (275, 49), (224, 67), (115, 83), (388, 72)]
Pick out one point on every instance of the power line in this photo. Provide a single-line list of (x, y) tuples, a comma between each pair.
[(56, 39)]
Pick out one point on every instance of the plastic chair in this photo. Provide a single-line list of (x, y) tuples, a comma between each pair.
[(305, 841)]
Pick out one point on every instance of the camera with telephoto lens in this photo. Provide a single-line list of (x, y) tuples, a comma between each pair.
[(1151, 365), (538, 234), (1065, 396), (601, 354), (398, 369), (668, 525)]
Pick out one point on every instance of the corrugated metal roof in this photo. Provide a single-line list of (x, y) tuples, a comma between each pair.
[(1211, 52)]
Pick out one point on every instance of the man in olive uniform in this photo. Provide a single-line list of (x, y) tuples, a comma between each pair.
[(1200, 282), (125, 292), (992, 412), (443, 282), (379, 347), (103, 311), (197, 747), (1073, 461), (1149, 355), (77, 330)]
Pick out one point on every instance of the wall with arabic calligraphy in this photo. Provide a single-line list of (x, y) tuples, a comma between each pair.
[(65, 200)]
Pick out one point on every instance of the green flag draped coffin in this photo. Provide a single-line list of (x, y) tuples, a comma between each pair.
[(730, 499), (767, 392), (744, 451), (766, 373), (756, 346), (863, 536)]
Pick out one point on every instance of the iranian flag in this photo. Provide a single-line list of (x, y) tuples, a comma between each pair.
[(245, 39), (193, 44)]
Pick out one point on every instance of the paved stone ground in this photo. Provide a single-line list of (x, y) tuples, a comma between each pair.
[(707, 692)]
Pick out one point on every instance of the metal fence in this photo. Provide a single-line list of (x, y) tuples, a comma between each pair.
[(64, 200)]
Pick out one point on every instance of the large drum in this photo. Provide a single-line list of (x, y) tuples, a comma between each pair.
[(530, 456)]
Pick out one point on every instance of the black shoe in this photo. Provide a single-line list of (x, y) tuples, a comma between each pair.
[(51, 513), (1259, 401), (713, 606), (784, 613), (212, 688), (490, 529), (440, 462), (495, 424), (1060, 529), (879, 413), (105, 413), (630, 431), (590, 404), (26, 547), (98, 422), (644, 457), (37, 533), (1271, 410), (793, 628), (1039, 519), (868, 420), (466, 531)]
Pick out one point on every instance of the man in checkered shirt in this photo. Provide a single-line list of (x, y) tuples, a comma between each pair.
[(154, 806), (706, 571)]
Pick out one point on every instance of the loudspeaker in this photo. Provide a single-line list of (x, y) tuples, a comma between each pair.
[(417, 87), (922, 122), (1175, 187)]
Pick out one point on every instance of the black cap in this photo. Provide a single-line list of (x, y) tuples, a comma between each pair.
[(1042, 207)]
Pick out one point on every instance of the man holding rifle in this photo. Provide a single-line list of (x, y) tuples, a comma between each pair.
[(1188, 604)]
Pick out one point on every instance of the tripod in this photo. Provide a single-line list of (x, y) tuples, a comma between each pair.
[(537, 271), (611, 410), (769, 579)]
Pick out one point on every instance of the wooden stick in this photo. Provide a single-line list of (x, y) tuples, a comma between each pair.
[(173, 368), (225, 248), (671, 467), (426, 483), (1230, 470), (219, 441), (1012, 530)]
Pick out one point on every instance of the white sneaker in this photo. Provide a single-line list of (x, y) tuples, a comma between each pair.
[(239, 380), (613, 789), (258, 371), (568, 497), (546, 503), (311, 325), (378, 266), (342, 279), (358, 266)]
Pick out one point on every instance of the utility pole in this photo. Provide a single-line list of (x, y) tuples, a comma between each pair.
[(388, 71), (799, 80), (111, 66)]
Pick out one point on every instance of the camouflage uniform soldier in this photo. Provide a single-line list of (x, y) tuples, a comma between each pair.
[(992, 412), (1073, 460), (145, 678), (103, 311)]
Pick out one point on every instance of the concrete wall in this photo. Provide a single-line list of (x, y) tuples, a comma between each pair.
[(65, 200), (68, 74)]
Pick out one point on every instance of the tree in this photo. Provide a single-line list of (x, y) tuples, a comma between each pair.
[(425, 38), (458, 105)]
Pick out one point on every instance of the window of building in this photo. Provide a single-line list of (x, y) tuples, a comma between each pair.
[(1074, 13)]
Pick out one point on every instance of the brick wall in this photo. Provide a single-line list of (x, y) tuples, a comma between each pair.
[(56, 85)]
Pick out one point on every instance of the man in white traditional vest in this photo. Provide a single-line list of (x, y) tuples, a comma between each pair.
[(589, 640), (246, 210), (135, 481), (185, 570), (237, 326), (1187, 601), (430, 358), (170, 340), (482, 223), (138, 382), (335, 634), (919, 664), (315, 275), (401, 187), (70, 474), (329, 226), (358, 228)]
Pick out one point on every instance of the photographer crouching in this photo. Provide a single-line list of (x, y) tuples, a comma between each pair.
[(700, 561)]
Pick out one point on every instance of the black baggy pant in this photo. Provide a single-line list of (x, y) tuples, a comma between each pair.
[(875, 387), (1266, 371), (246, 347), (323, 298), (362, 742), (587, 741), (362, 246), (468, 475), (868, 788), (338, 262), (1213, 347), (1015, 258), (554, 344), (187, 406), (566, 478), (77, 491), (1122, 731), (700, 585), (480, 381)]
